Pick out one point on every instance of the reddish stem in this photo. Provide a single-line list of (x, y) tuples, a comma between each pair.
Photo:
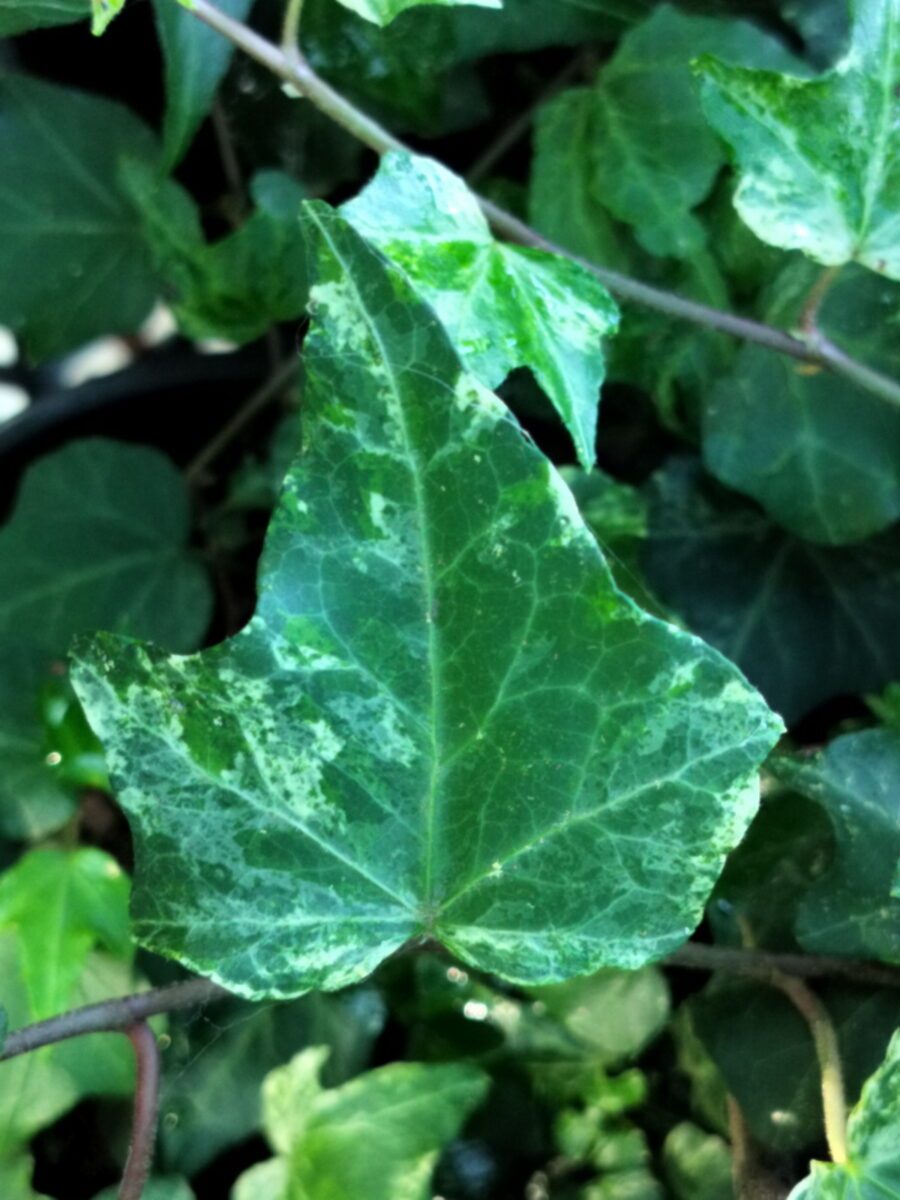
[(146, 1109)]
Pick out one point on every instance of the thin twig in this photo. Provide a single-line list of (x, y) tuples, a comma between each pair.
[(255, 403), (111, 1016), (290, 29), (296, 71), (828, 1054), (146, 1110), (231, 167), (761, 964)]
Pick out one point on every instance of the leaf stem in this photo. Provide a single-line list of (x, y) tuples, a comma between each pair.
[(293, 69), (817, 293), (834, 1103), (112, 1016), (146, 1110), (290, 29)]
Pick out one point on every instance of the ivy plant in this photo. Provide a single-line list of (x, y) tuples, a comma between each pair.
[(449, 657)]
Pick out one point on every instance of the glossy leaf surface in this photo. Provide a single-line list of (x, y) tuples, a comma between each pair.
[(820, 159), (18, 16), (459, 726), (503, 306)]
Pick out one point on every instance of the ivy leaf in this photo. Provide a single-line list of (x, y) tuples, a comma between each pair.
[(196, 59), (652, 154), (409, 1110), (438, 646), (384, 11), (856, 779), (772, 603), (18, 16), (765, 1052), (503, 306), (57, 909), (820, 158), (159, 1187), (32, 803), (73, 260), (243, 1046), (697, 1164), (819, 454), (240, 286), (97, 539), (873, 1136)]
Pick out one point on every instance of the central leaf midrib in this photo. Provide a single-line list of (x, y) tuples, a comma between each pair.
[(428, 589)]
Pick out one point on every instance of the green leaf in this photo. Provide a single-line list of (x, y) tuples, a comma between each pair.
[(773, 603), (697, 1164), (97, 539), (18, 16), (503, 306), (856, 779), (73, 261), (61, 905), (240, 286), (820, 159), (32, 802), (56, 908), (237, 1052), (196, 59), (102, 13), (563, 202), (438, 645), (765, 1052), (408, 1111), (653, 155), (384, 11), (873, 1135), (819, 454), (158, 1188), (614, 1014)]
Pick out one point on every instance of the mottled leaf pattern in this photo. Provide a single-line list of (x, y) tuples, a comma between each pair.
[(820, 159), (443, 719), (503, 306)]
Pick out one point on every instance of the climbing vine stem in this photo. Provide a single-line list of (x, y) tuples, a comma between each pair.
[(293, 69)]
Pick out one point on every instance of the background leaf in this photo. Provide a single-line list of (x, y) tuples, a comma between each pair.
[(18, 16), (73, 261), (383, 11), (773, 603), (820, 159), (196, 59)]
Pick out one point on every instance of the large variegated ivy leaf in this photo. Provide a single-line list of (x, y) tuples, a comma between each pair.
[(503, 306), (444, 719), (856, 780), (820, 158), (383, 11), (873, 1135)]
